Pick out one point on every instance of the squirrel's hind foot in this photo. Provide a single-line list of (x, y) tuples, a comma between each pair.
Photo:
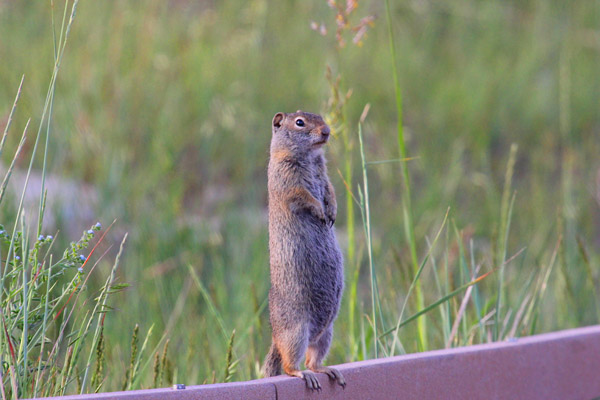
[(309, 377), (333, 374), (311, 380)]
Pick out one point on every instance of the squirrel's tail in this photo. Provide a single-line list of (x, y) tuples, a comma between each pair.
[(272, 365)]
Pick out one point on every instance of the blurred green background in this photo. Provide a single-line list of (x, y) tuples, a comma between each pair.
[(162, 118)]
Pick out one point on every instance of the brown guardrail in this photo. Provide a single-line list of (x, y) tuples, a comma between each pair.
[(558, 365)]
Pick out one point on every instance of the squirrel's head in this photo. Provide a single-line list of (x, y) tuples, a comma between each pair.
[(299, 132)]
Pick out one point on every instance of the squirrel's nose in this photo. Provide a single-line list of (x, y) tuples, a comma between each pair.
[(325, 130)]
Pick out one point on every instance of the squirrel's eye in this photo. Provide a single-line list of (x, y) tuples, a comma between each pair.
[(299, 122)]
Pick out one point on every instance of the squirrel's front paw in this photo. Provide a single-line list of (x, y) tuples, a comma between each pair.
[(319, 213), (322, 217)]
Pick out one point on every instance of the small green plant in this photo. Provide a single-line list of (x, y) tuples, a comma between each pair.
[(230, 364), (163, 368), (50, 318)]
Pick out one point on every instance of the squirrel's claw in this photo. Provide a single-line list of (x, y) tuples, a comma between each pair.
[(330, 218), (331, 214)]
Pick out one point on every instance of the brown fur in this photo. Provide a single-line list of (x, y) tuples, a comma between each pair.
[(306, 262)]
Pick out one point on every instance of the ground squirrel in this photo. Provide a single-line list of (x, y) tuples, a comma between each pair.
[(307, 275)]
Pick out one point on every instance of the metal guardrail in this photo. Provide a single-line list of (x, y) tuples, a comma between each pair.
[(558, 365)]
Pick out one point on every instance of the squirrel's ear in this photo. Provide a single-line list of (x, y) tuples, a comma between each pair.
[(277, 119)]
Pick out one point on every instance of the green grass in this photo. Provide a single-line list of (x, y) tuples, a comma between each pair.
[(165, 108)]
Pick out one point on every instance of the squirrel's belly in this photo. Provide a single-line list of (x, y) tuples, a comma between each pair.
[(315, 243), (311, 252)]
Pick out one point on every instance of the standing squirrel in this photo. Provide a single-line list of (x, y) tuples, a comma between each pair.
[(307, 275)]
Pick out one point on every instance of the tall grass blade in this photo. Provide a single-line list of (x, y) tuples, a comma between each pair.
[(11, 114), (211, 306), (413, 284), (437, 303), (406, 195), (505, 216), (12, 163), (366, 216)]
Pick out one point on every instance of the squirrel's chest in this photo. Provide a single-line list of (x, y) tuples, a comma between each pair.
[(314, 184)]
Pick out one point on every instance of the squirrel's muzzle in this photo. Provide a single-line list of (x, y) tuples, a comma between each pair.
[(321, 134), (324, 130)]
